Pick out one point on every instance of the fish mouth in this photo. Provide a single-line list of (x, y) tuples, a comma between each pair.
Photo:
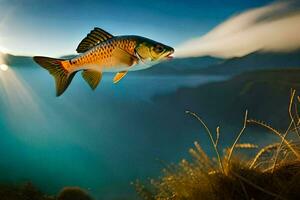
[(169, 55)]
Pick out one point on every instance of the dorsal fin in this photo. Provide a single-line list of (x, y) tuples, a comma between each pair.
[(95, 37)]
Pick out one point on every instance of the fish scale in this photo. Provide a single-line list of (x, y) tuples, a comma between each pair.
[(102, 53)]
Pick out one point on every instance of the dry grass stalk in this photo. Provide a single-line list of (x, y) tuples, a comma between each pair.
[(246, 146), (262, 152), (277, 133), (263, 177), (214, 143), (238, 137)]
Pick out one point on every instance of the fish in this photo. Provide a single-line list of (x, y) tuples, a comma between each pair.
[(101, 52)]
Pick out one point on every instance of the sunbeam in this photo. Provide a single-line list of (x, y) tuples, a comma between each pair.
[(15, 94), (18, 101)]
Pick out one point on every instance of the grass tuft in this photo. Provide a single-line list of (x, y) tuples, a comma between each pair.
[(273, 173)]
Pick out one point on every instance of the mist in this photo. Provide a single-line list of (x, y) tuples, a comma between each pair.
[(272, 28)]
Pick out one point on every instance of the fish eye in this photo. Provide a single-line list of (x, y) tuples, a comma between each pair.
[(158, 49)]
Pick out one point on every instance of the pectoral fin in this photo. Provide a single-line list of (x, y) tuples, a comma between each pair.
[(92, 77), (119, 76), (124, 58)]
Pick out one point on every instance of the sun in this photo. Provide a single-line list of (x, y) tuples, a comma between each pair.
[(3, 67)]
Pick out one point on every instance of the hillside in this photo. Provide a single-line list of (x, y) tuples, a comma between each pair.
[(233, 66), (17, 61), (181, 66), (255, 61), (264, 93)]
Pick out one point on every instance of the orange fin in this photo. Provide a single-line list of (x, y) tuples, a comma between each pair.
[(55, 67), (119, 76), (92, 77)]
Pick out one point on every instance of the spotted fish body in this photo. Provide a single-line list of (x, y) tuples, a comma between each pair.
[(102, 52), (101, 57)]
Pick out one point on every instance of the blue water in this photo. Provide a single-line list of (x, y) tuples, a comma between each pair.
[(99, 140)]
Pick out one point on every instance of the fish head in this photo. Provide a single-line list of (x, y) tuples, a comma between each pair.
[(149, 50)]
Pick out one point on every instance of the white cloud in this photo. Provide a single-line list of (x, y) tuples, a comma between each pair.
[(275, 27)]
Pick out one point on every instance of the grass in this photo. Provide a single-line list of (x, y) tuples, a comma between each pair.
[(28, 191), (273, 173)]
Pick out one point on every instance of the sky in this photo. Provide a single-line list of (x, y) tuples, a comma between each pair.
[(270, 28), (55, 28)]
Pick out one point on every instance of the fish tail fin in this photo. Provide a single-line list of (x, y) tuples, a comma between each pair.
[(58, 69)]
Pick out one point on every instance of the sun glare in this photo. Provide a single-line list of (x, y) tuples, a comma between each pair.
[(3, 67)]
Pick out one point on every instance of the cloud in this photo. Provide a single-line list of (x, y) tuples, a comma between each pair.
[(275, 27)]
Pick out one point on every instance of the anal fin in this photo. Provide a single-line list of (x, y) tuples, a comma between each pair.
[(92, 77), (119, 76)]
